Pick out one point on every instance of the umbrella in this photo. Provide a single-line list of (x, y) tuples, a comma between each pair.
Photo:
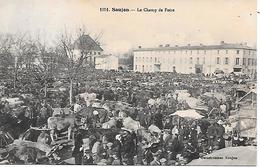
[(230, 156), (190, 113)]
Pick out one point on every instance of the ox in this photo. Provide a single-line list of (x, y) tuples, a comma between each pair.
[(58, 124)]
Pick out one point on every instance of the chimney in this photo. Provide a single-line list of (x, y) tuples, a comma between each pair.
[(167, 45), (222, 42), (160, 46), (139, 47), (188, 44)]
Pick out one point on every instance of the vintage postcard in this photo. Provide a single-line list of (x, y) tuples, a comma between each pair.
[(128, 82)]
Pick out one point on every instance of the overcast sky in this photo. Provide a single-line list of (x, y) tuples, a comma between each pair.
[(194, 21)]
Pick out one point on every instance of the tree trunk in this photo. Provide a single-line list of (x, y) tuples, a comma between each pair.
[(71, 93), (45, 89)]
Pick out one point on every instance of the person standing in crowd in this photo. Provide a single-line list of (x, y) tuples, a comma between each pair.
[(158, 119), (87, 158), (77, 106), (102, 151), (78, 149), (228, 134)]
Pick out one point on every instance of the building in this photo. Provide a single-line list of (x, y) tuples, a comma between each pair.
[(90, 46), (196, 59), (106, 62)]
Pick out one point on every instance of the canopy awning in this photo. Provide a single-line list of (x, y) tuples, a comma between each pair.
[(187, 114)]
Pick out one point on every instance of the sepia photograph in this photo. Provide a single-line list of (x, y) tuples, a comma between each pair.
[(128, 82)]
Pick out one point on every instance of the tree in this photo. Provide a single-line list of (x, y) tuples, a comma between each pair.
[(6, 58), (44, 65), (75, 56)]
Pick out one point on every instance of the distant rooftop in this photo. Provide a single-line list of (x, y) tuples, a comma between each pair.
[(86, 42), (222, 45)]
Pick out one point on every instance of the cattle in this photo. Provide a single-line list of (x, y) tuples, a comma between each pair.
[(58, 123), (110, 124), (131, 124), (88, 97)]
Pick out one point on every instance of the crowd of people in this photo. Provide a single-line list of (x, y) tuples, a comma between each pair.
[(151, 100)]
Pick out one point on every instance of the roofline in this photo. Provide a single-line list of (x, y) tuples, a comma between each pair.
[(198, 47)]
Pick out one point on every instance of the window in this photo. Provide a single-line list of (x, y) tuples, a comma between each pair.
[(191, 52), (155, 59), (204, 60), (218, 51), (190, 60), (205, 51), (186, 51), (249, 61), (174, 51), (151, 59), (238, 52), (135, 67), (198, 52), (198, 60), (237, 61), (244, 61), (99, 53), (226, 51), (226, 60), (94, 53), (173, 61), (218, 60)]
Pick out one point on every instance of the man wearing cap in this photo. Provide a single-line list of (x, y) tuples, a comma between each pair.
[(96, 119), (110, 150), (87, 158), (78, 150), (102, 151), (118, 147)]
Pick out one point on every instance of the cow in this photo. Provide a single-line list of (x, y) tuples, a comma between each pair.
[(131, 124), (110, 124), (58, 124)]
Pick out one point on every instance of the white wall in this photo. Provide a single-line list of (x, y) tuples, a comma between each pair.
[(145, 60)]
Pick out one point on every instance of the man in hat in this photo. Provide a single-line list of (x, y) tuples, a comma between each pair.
[(78, 149), (87, 158), (158, 119), (220, 132), (96, 119), (110, 150), (102, 151), (118, 144)]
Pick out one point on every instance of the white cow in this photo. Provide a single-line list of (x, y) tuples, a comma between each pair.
[(109, 124), (131, 124)]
